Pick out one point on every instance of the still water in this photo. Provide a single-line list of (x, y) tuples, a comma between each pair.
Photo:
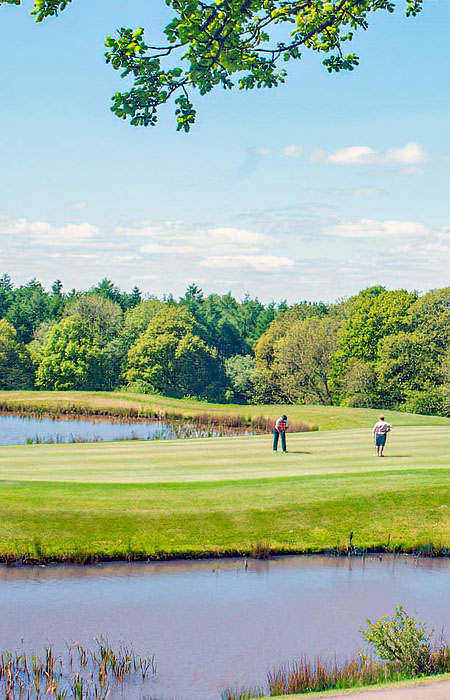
[(16, 430), (213, 624)]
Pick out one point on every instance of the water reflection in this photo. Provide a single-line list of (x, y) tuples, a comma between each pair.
[(214, 623), (19, 430)]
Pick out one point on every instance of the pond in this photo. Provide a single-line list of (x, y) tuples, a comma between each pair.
[(217, 623), (19, 430)]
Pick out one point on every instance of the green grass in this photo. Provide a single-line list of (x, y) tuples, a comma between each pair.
[(226, 495), (127, 404)]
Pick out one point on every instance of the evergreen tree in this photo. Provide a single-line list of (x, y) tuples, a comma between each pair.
[(16, 366)]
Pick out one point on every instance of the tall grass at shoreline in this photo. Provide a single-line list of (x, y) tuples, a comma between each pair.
[(305, 676), (222, 423)]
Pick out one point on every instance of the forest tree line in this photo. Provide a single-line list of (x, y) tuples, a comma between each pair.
[(377, 348)]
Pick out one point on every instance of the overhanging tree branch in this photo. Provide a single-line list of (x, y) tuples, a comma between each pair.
[(226, 43)]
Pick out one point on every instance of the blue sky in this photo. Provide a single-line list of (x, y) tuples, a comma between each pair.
[(310, 191)]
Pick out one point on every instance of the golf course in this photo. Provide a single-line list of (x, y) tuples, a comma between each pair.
[(231, 495)]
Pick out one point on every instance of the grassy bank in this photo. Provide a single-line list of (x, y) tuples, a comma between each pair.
[(226, 495), (128, 405)]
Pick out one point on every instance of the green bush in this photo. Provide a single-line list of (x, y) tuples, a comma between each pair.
[(402, 641), (361, 399), (240, 371), (428, 403)]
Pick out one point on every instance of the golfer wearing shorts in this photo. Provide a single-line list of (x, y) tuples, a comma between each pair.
[(379, 432)]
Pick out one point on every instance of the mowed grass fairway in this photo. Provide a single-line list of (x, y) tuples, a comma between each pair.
[(226, 495)]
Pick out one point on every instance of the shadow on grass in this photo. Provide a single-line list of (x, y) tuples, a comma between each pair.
[(396, 456)]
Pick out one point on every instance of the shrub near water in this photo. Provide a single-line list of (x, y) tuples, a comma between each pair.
[(405, 644)]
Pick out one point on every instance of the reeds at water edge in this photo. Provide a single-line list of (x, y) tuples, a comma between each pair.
[(305, 676), (79, 674)]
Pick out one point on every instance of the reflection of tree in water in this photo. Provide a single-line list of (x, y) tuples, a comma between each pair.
[(16, 430)]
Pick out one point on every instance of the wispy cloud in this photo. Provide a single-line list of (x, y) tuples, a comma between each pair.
[(221, 247), (370, 228), (410, 154), (292, 151), (45, 234), (361, 192), (336, 256), (169, 238), (161, 249), (77, 206), (262, 263), (432, 253), (353, 155)]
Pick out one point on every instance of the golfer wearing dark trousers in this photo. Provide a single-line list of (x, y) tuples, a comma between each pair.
[(279, 431)]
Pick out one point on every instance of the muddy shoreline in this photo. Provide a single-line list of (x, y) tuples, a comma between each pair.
[(256, 554)]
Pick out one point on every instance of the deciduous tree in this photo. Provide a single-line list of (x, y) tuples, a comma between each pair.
[(267, 378), (303, 360), (227, 43), (241, 372), (169, 357), (71, 358), (102, 315)]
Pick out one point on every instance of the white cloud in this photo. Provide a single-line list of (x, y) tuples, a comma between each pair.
[(292, 151), (160, 248), (85, 256), (42, 233), (353, 155), (433, 253), (70, 235), (239, 237), (77, 206), (370, 228), (207, 247), (178, 238), (152, 230), (262, 263), (410, 154), (395, 252)]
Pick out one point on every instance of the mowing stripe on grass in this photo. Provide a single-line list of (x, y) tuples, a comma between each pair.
[(209, 459), (405, 510)]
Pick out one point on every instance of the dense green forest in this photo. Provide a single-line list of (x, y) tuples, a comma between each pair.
[(377, 348)]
